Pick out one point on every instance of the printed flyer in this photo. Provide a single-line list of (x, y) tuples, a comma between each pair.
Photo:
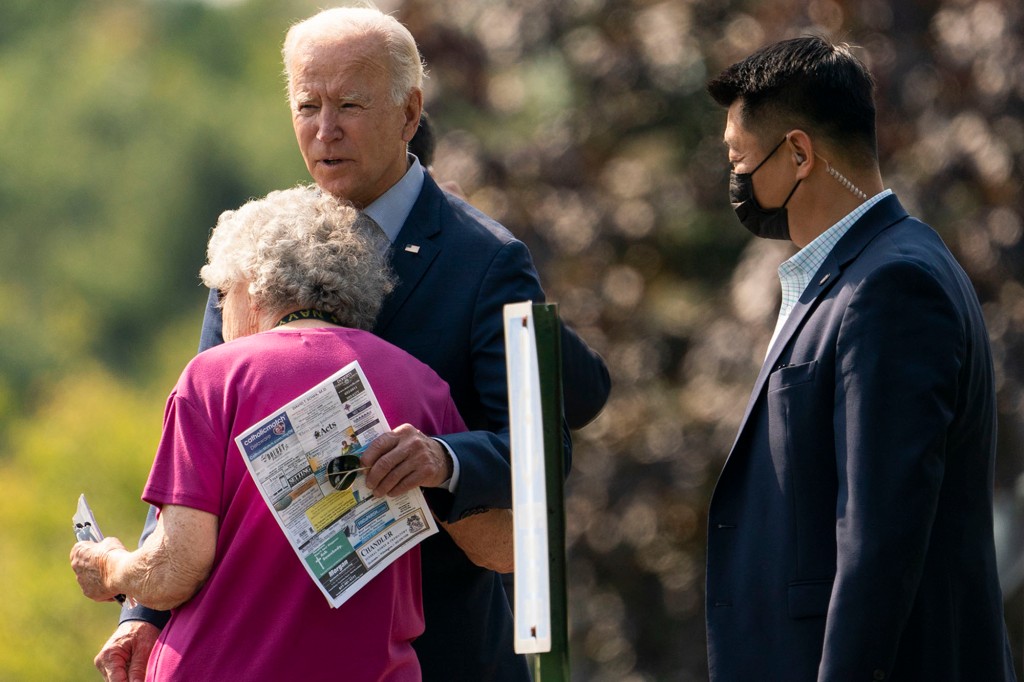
[(305, 459)]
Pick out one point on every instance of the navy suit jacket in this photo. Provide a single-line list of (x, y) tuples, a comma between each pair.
[(850, 532), (447, 312)]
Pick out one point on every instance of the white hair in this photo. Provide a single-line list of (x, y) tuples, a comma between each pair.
[(302, 248), (404, 64)]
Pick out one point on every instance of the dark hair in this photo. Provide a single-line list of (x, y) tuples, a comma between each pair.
[(807, 82), (423, 141)]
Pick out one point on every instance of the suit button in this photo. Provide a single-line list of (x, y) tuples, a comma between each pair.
[(878, 675)]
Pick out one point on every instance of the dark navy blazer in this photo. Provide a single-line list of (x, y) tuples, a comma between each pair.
[(850, 532), (447, 312)]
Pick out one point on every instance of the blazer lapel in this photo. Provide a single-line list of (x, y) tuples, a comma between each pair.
[(883, 214), (414, 249), (823, 280)]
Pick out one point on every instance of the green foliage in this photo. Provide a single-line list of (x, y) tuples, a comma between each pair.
[(128, 129), (66, 450), (97, 435)]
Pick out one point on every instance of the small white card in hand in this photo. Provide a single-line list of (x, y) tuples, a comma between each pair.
[(86, 528)]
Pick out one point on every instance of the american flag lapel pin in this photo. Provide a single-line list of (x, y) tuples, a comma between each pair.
[(412, 248)]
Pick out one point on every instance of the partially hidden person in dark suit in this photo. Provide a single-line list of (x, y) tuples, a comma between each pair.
[(422, 146), (424, 141), (850, 532), (354, 85)]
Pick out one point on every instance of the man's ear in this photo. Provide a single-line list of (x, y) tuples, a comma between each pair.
[(801, 152), (412, 111)]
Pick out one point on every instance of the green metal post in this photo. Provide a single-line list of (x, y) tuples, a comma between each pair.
[(553, 666)]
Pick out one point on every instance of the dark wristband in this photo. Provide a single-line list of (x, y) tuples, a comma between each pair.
[(146, 614)]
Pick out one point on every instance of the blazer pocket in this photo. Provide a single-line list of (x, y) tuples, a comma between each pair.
[(792, 375), (809, 599)]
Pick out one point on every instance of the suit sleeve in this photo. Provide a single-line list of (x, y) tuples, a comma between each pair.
[(585, 380), (485, 478), (899, 352), (212, 333)]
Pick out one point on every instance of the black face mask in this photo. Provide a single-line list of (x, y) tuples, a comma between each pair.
[(767, 223)]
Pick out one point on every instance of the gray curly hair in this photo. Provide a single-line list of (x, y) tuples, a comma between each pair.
[(302, 248)]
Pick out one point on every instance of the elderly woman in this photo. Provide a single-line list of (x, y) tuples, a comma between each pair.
[(242, 605)]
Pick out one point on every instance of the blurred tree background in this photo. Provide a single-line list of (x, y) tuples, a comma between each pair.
[(129, 125)]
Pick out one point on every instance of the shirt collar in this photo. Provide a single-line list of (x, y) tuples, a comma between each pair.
[(810, 258), (796, 272), (824, 243), (391, 209)]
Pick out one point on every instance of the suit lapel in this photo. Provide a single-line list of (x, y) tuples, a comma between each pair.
[(414, 249), (883, 214), (823, 280)]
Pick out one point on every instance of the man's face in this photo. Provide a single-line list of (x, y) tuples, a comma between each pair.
[(351, 135), (747, 152)]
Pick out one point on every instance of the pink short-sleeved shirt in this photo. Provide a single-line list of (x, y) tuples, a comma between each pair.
[(259, 615)]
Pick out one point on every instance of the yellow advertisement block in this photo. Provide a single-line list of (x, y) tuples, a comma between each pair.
[(326, 511)]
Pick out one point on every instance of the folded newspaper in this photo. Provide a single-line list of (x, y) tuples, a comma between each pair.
[(304, 459)]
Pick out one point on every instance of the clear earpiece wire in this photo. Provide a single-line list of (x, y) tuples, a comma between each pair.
[(842, 180)]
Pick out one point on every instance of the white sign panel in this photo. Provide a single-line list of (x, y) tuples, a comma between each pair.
[(532, 606)]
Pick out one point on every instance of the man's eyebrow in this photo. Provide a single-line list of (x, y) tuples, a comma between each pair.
[(354, 96)]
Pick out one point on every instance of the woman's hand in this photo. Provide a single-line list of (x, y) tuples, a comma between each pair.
[(94, 566), (166, 571)]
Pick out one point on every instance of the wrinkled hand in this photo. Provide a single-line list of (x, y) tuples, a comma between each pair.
[(402, 459), (125, 655), (92, 564)]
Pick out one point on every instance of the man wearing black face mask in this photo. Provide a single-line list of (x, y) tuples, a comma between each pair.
[(765, 223), (850, 532)]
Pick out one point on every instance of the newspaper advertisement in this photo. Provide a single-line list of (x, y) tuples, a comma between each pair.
[(305, 460)]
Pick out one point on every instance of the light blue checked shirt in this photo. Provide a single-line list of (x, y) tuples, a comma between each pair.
[(795, 274)]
